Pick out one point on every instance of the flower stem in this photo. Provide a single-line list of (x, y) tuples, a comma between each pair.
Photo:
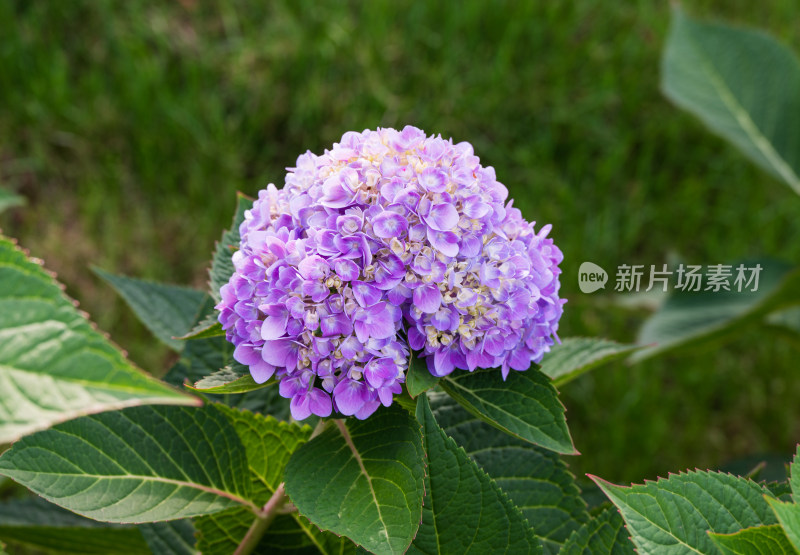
[(274, 506), (321, 425), (262, 521)]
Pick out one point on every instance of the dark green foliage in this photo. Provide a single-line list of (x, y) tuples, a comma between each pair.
[(536, 480), (464, 511), (130, 126), (35, 523), (363, 479), (524, 405)]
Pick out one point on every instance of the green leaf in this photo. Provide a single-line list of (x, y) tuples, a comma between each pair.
[(53, 364), (202, 357), (363, 479), (794, 475), (210, 360), (231, 379), (536, 480), (221, 264), (10, 200), (525, 405), (418, 378), (208, 327), (38, 524), (269, 444), (760, 540), (781, 490), (405, 401), (788, 513), (789, 517), (674, 515), (222, 532), (265, 401), (743, 85), (604, 534), (170, 538), (141, 464), (577, 355), (787, 320), (464, 511), (168, 311), (694, 318)]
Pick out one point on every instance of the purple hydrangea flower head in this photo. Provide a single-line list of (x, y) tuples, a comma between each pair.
[(388, 241)]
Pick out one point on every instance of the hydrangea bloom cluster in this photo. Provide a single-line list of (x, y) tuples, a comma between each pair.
[(390, 240)]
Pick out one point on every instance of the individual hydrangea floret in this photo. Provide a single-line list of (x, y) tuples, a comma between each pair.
[(388, 241)]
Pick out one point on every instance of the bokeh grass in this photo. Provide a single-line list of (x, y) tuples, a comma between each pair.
[(130, 125)]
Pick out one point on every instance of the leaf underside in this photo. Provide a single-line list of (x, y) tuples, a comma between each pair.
[(743, 85), (233, 379), (54, 365)]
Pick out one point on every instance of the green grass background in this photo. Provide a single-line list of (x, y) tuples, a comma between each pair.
[(130, 125)]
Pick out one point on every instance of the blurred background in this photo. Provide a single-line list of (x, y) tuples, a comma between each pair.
[(130, 125)]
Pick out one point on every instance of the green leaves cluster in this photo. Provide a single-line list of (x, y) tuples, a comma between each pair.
[(745, 87), (148, 468), (709, 512), (470, 462)]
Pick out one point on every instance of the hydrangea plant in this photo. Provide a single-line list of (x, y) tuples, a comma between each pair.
[(395, 296), (388, 289)]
